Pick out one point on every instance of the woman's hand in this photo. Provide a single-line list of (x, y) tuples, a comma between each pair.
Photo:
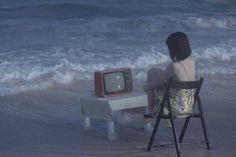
[(146, 87), (149, 86)]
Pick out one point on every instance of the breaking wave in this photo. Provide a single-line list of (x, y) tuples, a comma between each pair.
[(53, 43)]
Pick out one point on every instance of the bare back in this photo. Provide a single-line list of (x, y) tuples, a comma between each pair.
[(184, 70)]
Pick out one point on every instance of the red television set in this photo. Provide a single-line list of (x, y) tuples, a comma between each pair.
[(113, 82)]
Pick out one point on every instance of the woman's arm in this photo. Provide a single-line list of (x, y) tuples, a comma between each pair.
[(165, 75)]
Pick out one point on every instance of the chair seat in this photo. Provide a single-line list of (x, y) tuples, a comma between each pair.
[(193, 115)]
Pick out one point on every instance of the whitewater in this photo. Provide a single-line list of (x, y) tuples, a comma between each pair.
[(53, 43)]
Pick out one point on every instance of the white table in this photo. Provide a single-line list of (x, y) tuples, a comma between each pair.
[(103, 108)]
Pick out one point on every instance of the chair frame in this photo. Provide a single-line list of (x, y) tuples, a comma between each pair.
[(197, 101)]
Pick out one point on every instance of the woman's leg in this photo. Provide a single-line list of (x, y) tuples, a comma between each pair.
[(152, 74)]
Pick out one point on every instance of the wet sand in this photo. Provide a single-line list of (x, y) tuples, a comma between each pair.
[(46, 123)]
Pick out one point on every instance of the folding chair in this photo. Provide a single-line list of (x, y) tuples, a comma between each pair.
[(190, 85)]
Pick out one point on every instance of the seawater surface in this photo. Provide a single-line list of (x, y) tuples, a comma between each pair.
[(49, 43)]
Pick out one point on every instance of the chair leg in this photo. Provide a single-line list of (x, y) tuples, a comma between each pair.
[(149, 147), (184, 129), (205, 132), (175, 137), (203, 123)]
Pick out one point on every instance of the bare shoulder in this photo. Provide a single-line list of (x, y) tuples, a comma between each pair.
[(175, 65), (190, 59)]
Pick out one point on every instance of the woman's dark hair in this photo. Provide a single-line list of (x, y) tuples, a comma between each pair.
[(178, 46)]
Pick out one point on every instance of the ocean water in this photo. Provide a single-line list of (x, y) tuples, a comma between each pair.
[(51, 43)]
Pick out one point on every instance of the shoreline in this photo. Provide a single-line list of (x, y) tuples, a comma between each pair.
[(46, 123)]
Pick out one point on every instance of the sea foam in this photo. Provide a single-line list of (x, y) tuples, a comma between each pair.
[(53, 43)]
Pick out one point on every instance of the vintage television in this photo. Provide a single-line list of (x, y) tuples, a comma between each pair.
[(113, 82)]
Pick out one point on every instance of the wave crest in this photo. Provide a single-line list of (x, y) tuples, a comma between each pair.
[(223, 22)]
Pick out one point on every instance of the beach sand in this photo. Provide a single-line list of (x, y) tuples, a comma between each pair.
[(46, 123)]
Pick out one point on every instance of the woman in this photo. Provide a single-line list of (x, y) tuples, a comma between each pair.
[(180, 69)]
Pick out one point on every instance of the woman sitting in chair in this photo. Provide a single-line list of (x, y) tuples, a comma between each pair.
[(180, 69)]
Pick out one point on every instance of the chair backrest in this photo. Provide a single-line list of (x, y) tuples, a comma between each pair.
[(188, 85), (185, 84)]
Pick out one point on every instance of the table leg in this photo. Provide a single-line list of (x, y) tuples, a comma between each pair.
[(111, 130), (87, 125)]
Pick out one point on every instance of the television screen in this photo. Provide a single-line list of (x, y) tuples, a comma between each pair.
[(115, 82)]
